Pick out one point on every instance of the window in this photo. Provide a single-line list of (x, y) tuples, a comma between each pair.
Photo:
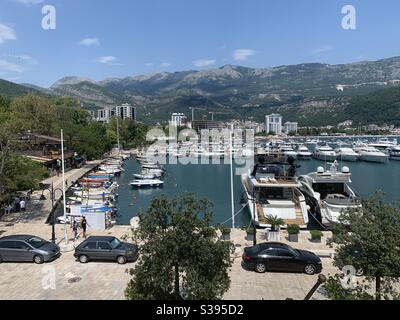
[(7, 245), (115, 243), (36, 242), (104, 246), (270, 252), (90, 245), (284, 253), (21, 245)]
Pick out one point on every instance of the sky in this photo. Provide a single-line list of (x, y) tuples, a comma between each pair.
[(99, 39)]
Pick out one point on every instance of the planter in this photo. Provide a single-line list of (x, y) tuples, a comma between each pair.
[(316, 236), (250, 236), (273, 235), (294, 237), (226, 236)]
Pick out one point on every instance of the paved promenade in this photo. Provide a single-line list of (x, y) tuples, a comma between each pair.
[(37, 211), (108, 280)]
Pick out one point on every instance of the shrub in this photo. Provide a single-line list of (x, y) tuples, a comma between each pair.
[(293, 229)]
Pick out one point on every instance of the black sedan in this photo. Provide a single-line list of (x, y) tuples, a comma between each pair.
[(26, 248), (106, 248), (275, 256)]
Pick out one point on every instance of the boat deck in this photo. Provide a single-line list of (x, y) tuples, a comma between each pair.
[(299, 217)]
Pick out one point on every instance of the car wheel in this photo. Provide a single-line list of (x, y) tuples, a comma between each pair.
[(261, 267), (38, 259), (121, 260), (83, 258), (310, 269)]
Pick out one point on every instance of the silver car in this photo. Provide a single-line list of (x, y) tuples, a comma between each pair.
[(26, 248)]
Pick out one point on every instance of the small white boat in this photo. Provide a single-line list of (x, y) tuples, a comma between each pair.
[(151, 166), (147, 183), (146, 176)]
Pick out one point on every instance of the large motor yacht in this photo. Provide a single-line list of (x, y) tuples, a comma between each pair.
[(394, 153), (371, 154), (325, 153), (331, 190), (303, 153), (346, 154), (271, 188)]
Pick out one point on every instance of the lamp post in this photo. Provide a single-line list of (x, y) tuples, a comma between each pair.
[(52, 192), (321, 280)]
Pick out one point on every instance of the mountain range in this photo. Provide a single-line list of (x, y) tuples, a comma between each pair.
[(311, 93)]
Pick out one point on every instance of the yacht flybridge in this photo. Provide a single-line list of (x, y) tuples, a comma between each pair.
[(271, 188), (331, 190)]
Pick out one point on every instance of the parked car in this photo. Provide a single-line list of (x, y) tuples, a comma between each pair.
[(275, 256), (106, 248), (27, 248)]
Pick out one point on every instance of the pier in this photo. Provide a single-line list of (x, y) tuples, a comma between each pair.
[(37, 210)]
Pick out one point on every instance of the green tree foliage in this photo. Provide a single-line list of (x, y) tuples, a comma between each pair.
[(181, 255), (370, 242)]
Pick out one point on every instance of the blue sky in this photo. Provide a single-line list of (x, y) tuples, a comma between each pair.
[(100, 38)]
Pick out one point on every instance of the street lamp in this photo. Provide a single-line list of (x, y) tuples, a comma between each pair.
[(254, 217), (52, 191), (321, 280)]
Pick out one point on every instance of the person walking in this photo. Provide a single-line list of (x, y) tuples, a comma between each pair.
[(22, 205), (75, 229), (84, 226)]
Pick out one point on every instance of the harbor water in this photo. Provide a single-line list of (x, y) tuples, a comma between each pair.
[(212, 181)]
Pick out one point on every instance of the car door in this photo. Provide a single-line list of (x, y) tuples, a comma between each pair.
[(105, 251), (90, 249), (270, 257), (7, 251), (23, 251), (287, 261)]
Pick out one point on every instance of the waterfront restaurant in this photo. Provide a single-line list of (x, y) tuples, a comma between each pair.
[(47, 150)]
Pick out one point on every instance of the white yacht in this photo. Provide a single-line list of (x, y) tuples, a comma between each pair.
[(384, 144), (303, 153), (146, 183), (372, 154), (346, 154), (324, 153), (394, 153), (270, 189), (288, 150), (331, 190)]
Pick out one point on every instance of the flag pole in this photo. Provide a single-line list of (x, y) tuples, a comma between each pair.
[(231, 158), (63, 188)]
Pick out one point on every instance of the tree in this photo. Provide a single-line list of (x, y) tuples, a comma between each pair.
[(369, 241), (181, 255)]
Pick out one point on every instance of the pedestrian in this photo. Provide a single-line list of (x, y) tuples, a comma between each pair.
[(84, 226), (16, 203), (75, 229), (22, 205)]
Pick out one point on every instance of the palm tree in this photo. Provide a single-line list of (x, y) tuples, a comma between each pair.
[(274, 221)]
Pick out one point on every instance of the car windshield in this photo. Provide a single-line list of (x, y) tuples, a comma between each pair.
[(36, 242), (115, 243)]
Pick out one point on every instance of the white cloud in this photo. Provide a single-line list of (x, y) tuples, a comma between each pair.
[(107, 60), (6, 33), (90, 42), (243, 54), (149, 64), (10, 66), (204, 62), (322, 49), (30, 2), (22, 58), (165, 64)]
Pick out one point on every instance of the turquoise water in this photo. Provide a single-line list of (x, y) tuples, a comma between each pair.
[(213, 182)]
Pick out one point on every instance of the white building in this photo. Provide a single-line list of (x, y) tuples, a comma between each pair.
[(125, 111), (291, 127), (178, 120), (273, 123)]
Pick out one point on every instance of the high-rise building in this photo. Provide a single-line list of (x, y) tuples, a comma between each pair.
[(273, 123), (124, 111), (291, 127), (178, 120)]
